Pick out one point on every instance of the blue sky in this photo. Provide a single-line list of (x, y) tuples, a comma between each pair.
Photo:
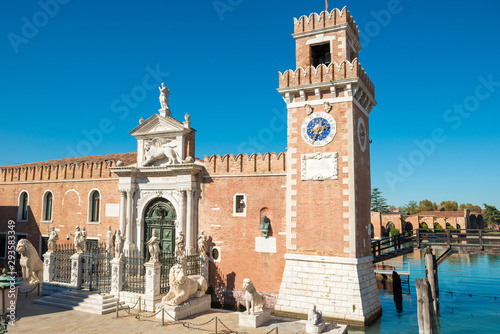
[(89, 69)]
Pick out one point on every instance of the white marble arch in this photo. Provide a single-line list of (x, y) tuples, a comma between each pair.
[(165, 194)]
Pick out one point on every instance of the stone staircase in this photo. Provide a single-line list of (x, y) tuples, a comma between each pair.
[(80, 300)]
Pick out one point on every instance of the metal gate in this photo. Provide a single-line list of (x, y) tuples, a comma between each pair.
[(96, 269)]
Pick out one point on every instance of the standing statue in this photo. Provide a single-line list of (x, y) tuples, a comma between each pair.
[(110, 242), (264, 226), (79, 240), (119, 241), (154, 247), (164, 94), (180, 245), (315, 317), (202, 244), (84, 234), (51, 243)]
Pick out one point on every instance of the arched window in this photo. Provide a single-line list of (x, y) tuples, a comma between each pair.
[(22, 211), (95, 202), (47, 206)]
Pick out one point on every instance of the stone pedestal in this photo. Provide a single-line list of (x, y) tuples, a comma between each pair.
[(205, 267), (76, 270), (117, 266), (153, 273), (254, 321), (48, 266), (312, 328), (188, 308)]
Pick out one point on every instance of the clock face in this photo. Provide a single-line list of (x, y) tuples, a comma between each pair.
[(319, 129), (362, 134)]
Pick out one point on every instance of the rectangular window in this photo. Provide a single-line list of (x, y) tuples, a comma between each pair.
[(320, 54), (240, 205)]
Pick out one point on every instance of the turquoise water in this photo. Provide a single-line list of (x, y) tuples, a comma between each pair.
[(478, 275)]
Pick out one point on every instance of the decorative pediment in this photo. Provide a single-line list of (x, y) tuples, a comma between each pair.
[(159, 126)]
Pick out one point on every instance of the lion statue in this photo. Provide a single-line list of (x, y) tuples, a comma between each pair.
[(252, 297), (183, 287), (31, 264)]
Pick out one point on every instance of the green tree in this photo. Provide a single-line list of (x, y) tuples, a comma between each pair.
[(378, 202), (450, 205), (491, 215), (471, 207), (411, 208), (427, 205)]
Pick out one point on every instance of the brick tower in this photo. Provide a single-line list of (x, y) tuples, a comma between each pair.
[(329, 98)]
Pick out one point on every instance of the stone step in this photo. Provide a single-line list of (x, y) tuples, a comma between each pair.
[(80, 301)]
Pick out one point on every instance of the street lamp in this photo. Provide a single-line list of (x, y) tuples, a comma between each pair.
[(8, 298)]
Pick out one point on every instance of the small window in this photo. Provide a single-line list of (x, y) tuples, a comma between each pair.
[(95, 201), (47, 206), (240, 205), (320, 54), (215, 254), (22, 211)]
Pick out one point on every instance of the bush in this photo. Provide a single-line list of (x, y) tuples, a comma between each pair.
[(394, 231)]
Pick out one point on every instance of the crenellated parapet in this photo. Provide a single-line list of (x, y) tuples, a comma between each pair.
[(65, 169), (244, 164), (323, 73), (325, 19)]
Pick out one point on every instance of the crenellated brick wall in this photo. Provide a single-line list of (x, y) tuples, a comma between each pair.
[(230, 164)]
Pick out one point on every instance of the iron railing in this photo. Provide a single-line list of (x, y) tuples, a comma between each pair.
[(62, 263), (167, 260), (134, 278), (96, 268)]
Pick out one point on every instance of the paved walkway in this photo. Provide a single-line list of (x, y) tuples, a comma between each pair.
[(33, 318)]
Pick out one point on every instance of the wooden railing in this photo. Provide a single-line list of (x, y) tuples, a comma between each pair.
[(400, 244)]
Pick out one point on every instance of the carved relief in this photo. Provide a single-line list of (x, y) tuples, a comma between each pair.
[(161, 151), (320, 166)]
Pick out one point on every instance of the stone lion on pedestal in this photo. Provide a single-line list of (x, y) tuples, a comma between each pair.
[(252, 297), (31, 265), (183, 287)]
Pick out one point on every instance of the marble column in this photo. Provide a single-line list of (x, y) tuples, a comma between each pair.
[(189, 222), (123, 210), (196, 229), (180, 215), (129, 242)]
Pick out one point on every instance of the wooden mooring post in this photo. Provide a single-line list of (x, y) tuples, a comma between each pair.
[(432, 276), (427, 322)]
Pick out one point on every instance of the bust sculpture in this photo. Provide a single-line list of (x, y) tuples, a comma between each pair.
[(264, 226)]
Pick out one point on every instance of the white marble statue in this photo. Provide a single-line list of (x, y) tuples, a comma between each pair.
[(315, 317), (161, 149), (164, 94), (180, 245), (252, 297), (202, 244), (110, 242), (52, 242), (154, 247), (31, 265), (183, 287), (84, 234), (79, 241), (119, 241)]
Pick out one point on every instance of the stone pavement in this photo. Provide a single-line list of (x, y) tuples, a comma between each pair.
[(33, 318)]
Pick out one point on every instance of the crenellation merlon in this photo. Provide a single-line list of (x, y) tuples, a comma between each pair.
[(244, 164), (324, 19), (325, 74)]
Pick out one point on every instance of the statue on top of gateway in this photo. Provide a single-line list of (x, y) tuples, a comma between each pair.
[(164, 94)]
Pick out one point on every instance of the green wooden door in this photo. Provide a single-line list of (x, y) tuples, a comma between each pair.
[(160, 215)]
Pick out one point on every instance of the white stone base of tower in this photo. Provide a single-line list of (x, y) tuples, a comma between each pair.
[(344, 289)]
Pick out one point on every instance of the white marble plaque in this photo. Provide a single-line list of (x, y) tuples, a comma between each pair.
[(112, 210), (320, 166), (265, 245)]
